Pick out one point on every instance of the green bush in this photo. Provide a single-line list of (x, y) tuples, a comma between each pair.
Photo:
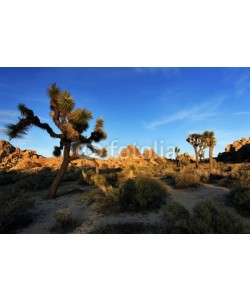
[(15, 212), (177, 217), (143, 193), (240, 198), (207, 218)]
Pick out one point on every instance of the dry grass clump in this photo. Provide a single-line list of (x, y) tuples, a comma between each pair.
[(65, 223), (186, 179)]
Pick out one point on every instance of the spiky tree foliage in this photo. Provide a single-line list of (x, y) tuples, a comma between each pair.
[(177, 151), (199, 143), (71, 124), (211, 143)]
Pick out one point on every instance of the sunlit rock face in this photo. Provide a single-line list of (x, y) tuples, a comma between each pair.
[(6, 149), (130, 152), (12, 158)]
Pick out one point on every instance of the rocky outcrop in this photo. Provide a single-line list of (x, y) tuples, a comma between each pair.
[(6, 149), (14, 158), (238, 151), (149, 154), (130, 152)]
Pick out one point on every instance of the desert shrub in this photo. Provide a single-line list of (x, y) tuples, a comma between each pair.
[(126, 174), (108, 203), (65, 223), (102, 203), (112, 179), (208, 218), (152, 193), (143, 193), (240, 198), (34, 182), (186, 180), (10, 177), (87, 176), (15, 212), (128, 196), (177, 217), (6, 179), (101, 182), (89, 197), (237, 178), (46, 169), (72, 175), (229, 169)]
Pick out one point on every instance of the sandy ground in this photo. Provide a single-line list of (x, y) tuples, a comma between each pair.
[(189, 197), (91, 220)]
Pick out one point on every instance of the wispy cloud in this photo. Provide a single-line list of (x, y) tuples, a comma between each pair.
[(242, 113), (8, 113), (7, 116), (242, 86), (3, 130), (198, 112)]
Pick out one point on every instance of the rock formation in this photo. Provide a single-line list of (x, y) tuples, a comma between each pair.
[(130, 152), (238, 151), (12, 158)]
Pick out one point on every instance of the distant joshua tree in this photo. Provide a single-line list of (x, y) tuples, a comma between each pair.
[(211, 143), (71, 123), (177, 155), (199, 143)]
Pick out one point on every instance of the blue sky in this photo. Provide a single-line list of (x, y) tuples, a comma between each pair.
[(139, 105)]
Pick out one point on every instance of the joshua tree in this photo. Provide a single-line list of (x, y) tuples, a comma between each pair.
[(177, 154), (199, 143), (211, 143), (71, 123)]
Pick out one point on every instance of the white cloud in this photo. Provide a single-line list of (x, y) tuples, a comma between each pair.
[(200, 112)]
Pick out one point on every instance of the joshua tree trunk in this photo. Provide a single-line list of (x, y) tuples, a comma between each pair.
[(211, 158), (197, 158), (55, 185)]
